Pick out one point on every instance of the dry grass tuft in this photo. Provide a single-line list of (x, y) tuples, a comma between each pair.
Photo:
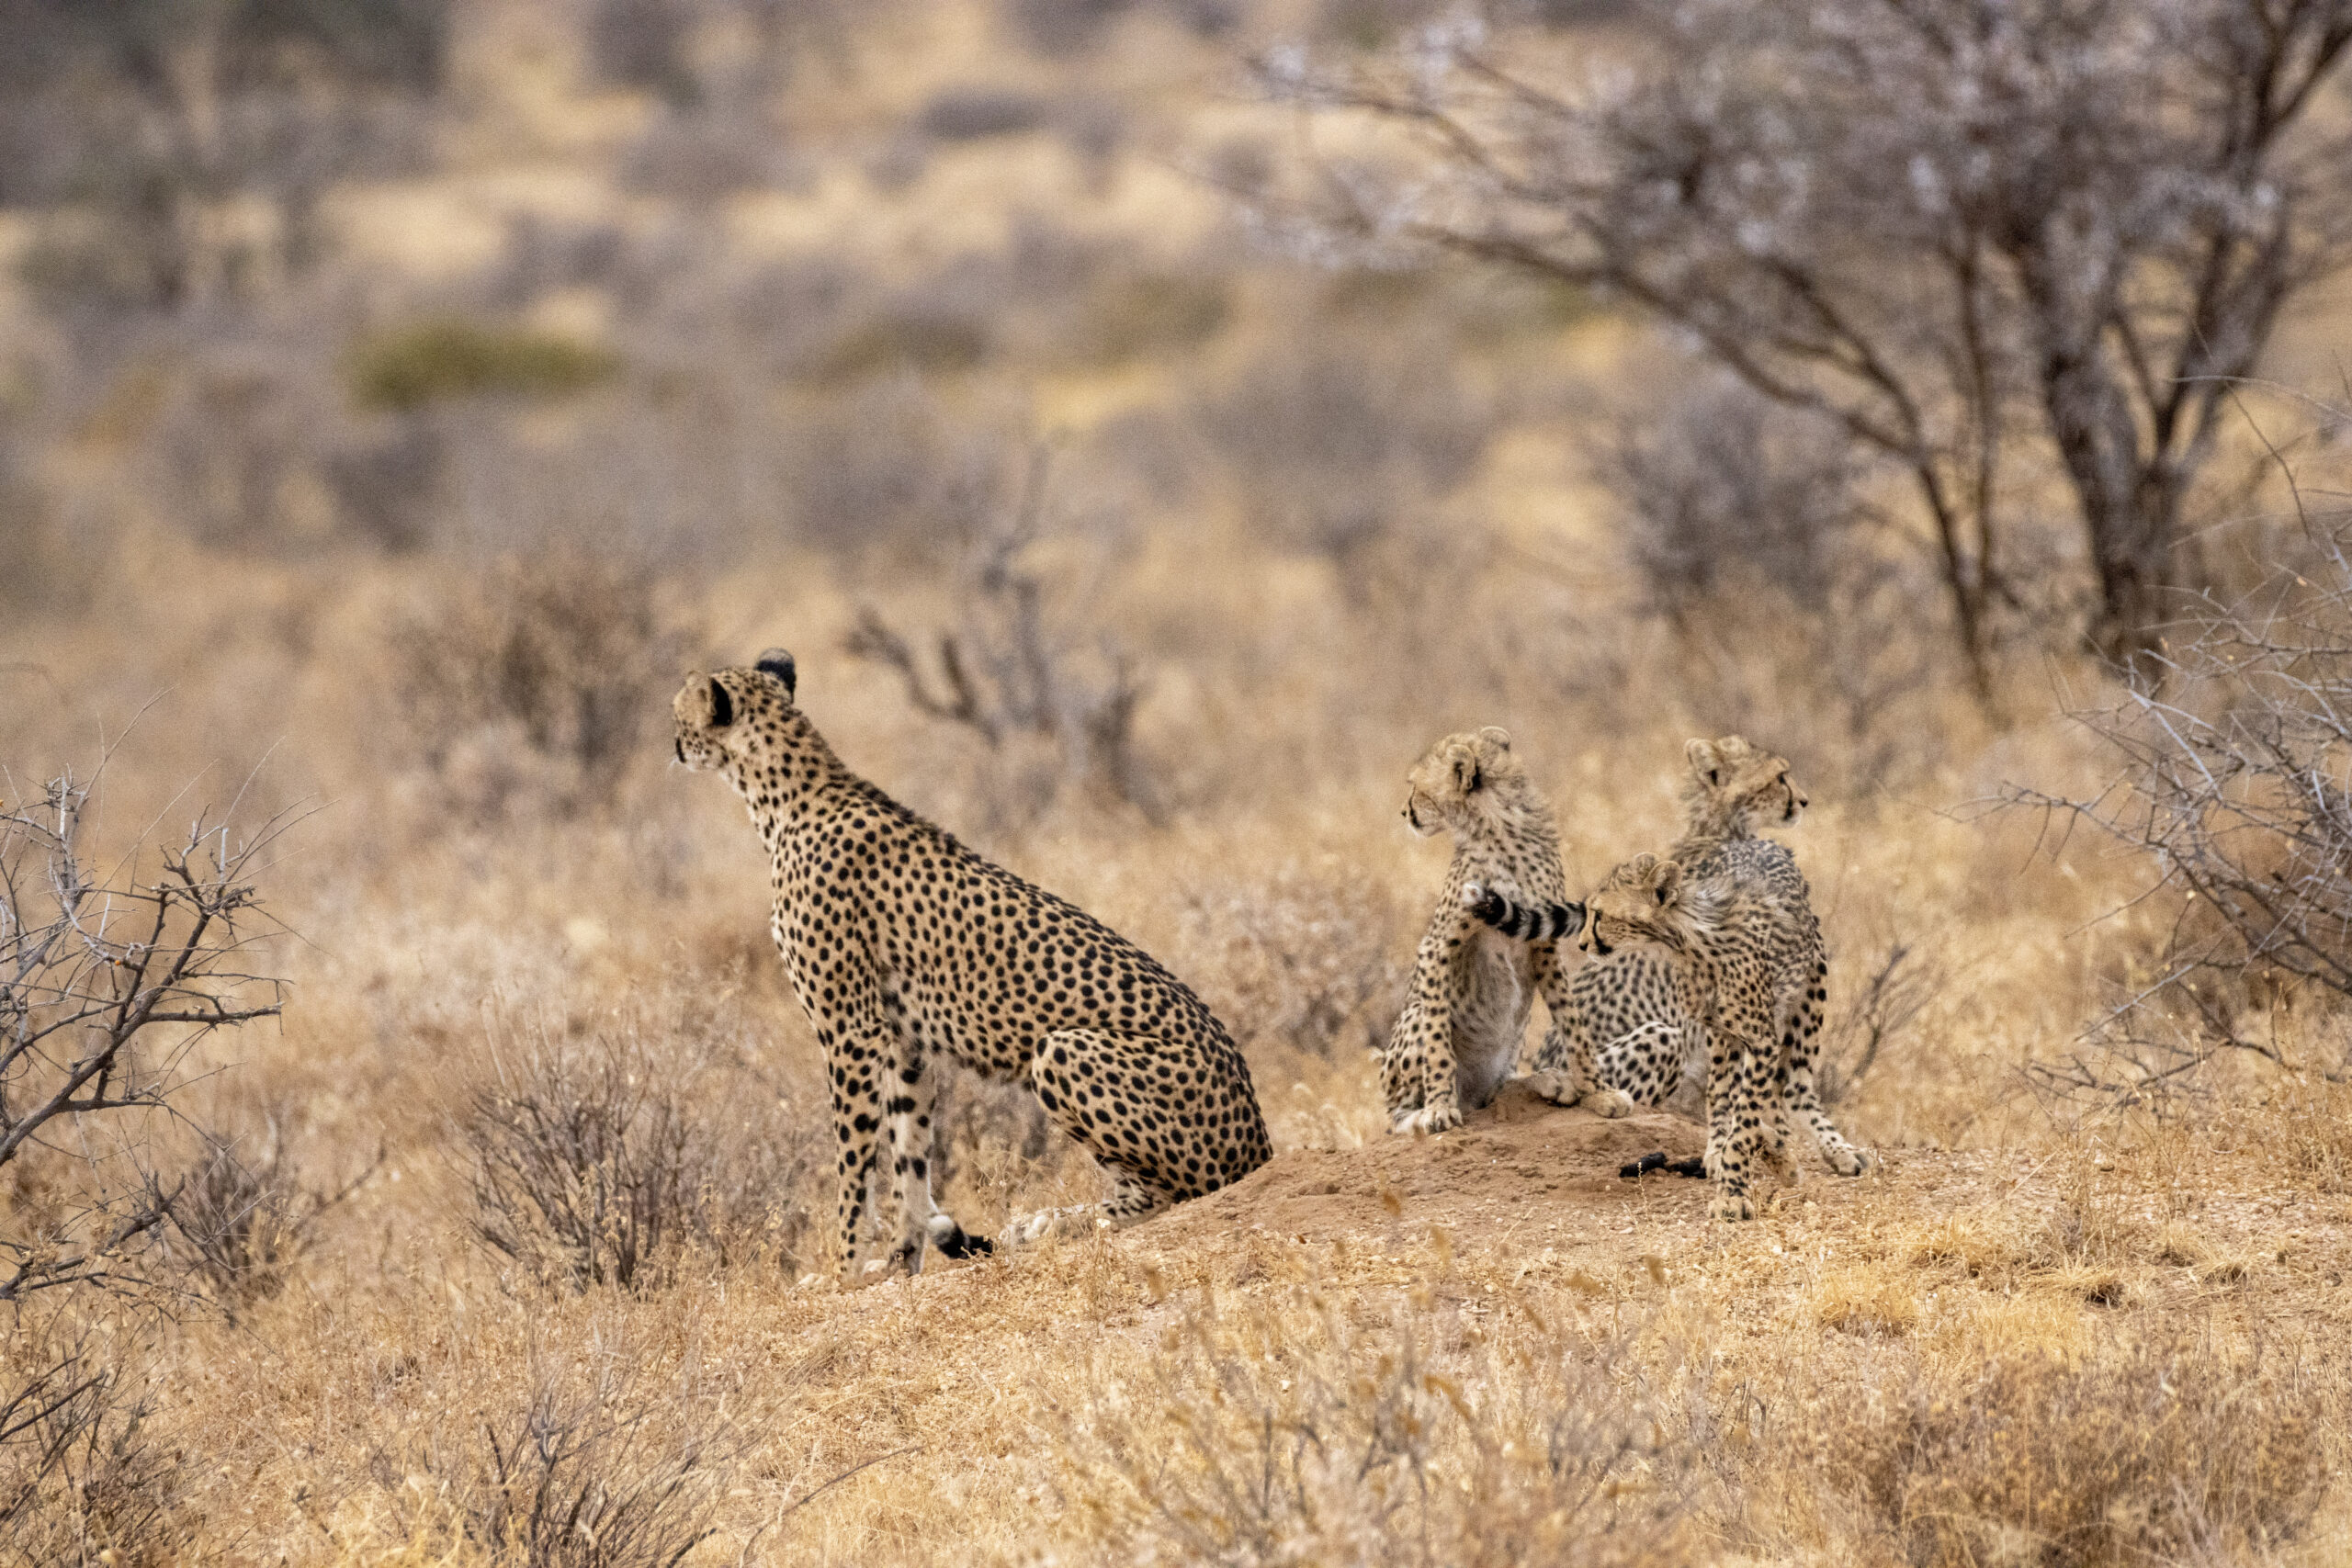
[(2153, 1451), (1308, 1427)]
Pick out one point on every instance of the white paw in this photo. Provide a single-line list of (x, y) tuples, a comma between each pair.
[(1846, 1159), (1607, 1102), (1429, 1119), (1552, 1086)]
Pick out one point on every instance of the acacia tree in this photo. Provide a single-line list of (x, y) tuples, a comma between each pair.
[(1991, 240)]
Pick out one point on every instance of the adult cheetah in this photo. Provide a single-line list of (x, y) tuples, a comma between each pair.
[(904, 944), (1458, 1037)]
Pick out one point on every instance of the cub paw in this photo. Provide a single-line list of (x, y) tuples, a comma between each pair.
[(1027, 1229), (1733, 1206), (903, 1262), (1429, 1119), (1607, 1102), (1553, 1086)]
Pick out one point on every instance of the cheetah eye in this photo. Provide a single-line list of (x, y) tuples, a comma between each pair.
[(722, 707)]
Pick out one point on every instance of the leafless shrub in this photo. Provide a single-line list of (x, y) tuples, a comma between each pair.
[(1012, 677), (1302, 958), (600, 1472), (538, 678), (1750, 527), (2002, 247), (1280, 1431), (595, 1161), (106, 983), (1899, 984), (80, 1479), (387, 490), (642, 43), (972, 114), (2233, 742), (240, 1223), (2158, 1450)]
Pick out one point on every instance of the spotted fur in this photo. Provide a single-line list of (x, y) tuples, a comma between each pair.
[(1642, 1045), (1733, 787), (1459, 1034), (1716, 941), (904, 945)]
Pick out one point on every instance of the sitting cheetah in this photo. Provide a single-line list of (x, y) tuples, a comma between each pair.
[(903, 944), (1718, 938), (1730, 786), (1458, 1037), (1621, 1011)]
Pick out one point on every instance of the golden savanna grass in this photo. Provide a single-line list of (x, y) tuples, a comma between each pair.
[(2048, 1330)]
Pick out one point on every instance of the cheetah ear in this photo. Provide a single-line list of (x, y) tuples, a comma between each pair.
[(777, 662), (1670, 881), (1496, 736), (722, 707)]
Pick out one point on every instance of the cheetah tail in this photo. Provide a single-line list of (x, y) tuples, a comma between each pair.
[(1525, 921)]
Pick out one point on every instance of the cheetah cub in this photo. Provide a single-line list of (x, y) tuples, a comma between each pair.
[(1474, 988), (1733, 787), (1718, 938), (1644, 1046)]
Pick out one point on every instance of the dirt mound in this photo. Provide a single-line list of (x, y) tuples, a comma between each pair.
[(1520, 1154)]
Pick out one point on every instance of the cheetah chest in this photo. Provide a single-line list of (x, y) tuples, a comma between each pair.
[(1490, 1014)]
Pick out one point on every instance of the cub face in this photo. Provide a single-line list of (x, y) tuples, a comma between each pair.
[(1636, 902), (718, 714), (1458, 777), (1737, 777)]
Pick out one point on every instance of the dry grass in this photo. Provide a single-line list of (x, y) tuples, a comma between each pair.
[(498, 1254)]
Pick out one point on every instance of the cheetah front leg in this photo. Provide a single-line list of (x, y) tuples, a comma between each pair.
[(863, 1045), (1733, 1120), (1567, 1067), (913, 1093), (1417, 1072)]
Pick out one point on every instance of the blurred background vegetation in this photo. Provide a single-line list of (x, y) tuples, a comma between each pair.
[(1150, 423)]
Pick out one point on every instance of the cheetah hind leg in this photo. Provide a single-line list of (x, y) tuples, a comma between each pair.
[(1804, 1096), (1102, 1090)]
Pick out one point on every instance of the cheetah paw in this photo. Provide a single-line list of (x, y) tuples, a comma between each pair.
[(1609, 1103), (1847, 1160), (1733, 1206), (1428, 1119), (1553, 1086)]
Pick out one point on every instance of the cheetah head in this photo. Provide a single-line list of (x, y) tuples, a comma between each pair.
[(1641, 900), (1463, 778), (722, 716), (1734, 786)]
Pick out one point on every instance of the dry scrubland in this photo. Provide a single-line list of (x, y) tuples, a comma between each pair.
[(1293, 525)]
